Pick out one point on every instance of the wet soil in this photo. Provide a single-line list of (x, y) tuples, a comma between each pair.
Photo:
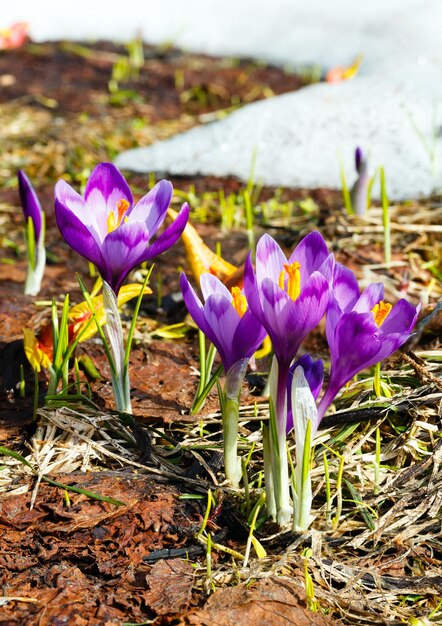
[(77, 560)]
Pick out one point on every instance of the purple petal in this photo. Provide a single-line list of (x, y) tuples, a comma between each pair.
[(401, 318), (78, 235), (359, 155), (170, 236), (327, 268), (310, 253), (345, 287), (234, 337), (251, 289), (152, 208), (194, 306), (334, 314), (75, 204), (308, 310), (105, 187), (369, 297), (270, 259), (313, 371), (356, 346), (210, 284), (248, 336), (123, 249), (223, 321), (30, 203), (396, 329), (276, 306)]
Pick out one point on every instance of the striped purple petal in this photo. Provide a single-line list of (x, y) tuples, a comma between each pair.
[(310, 253), (270, 259), (169, 236), (79, 236), (152, 208)]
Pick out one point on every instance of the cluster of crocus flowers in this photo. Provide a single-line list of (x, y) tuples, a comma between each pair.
[(108, 229), (286, 298), (34, 234)]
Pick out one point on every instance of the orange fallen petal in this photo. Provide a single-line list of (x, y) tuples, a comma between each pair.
[(338, 74), (200, 257)]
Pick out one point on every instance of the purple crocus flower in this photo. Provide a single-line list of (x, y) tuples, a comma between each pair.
[(107, 228), (235, 332), (289, 296), (314, 374), (362, 330), (224, 318), (30, 204)]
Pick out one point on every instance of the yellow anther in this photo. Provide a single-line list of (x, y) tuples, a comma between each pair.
[(294, 279), (380, 312), (111, 223), (239, 301)]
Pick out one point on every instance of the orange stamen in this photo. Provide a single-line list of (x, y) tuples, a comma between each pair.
[(112, 223), (380, 312), (239, 301), (122, 207)]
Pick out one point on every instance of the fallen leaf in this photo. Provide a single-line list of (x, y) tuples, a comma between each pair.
[(269, 602), (170, 586)]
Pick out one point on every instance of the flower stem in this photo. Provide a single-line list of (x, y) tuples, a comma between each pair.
[(268, 474), (114, 332), (232, 465), (278, 443), (304, 484), (230, 415), (304, 419)]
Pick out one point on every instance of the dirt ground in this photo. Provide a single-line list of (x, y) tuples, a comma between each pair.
[(67, 558)]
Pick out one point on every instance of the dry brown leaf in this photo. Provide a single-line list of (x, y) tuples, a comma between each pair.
[(269, 602), (170, 586)]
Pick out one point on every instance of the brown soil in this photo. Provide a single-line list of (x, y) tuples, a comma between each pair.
[(80, 561)]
